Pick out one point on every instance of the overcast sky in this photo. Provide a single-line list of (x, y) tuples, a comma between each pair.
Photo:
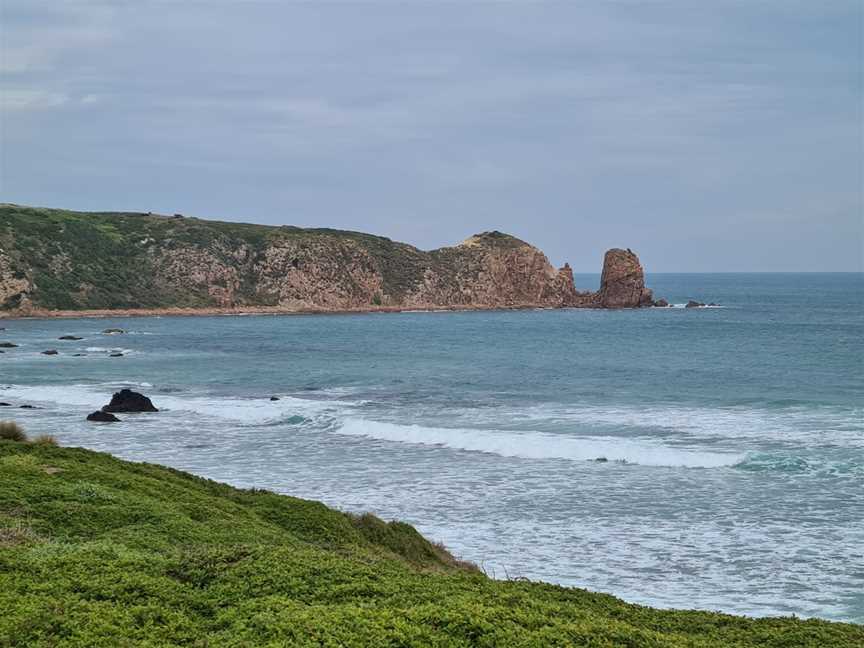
[(707, 136)]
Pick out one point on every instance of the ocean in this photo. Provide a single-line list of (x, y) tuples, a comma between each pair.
[(685, 458)]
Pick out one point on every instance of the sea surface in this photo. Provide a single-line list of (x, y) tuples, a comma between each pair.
[(709, 458)]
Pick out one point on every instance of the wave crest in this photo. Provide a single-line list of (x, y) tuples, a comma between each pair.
[(540, 445)]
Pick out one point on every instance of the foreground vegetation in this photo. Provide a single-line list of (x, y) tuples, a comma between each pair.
[(95, 551)]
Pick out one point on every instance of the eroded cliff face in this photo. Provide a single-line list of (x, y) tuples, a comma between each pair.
[(52, 259), (15, 286)]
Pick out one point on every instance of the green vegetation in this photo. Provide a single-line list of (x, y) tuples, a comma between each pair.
[(95, 551)]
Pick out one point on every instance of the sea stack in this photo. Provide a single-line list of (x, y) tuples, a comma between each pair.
[(622, 284)]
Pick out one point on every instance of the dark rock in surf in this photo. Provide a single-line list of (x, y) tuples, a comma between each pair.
[(661, 303), (601, 460), (70, 337), (694, 304), (274, 398), (50, 352), (102, 417), (116, 354), (113, 331), (29, 407), (127, 400), (7, 345), (5, 404)]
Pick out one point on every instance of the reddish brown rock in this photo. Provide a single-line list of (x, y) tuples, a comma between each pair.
[(622, 284)]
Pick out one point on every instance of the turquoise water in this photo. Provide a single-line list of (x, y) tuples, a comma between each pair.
[(734, 436)]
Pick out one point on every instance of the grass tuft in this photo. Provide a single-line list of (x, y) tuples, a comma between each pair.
[(11, 431)]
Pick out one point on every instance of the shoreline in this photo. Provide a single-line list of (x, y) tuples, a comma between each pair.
[(212, 311)]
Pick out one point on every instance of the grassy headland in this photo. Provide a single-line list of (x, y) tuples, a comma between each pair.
[(95, 551), (59, 260)]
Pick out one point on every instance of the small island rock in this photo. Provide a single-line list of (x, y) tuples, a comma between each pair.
[(622, 284), (102, 417), (127, 400)]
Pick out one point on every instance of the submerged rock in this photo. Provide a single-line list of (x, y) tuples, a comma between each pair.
[(70, 337), (102, 417), (50, 352), (127, 400)]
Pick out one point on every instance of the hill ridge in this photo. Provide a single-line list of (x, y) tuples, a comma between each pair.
[(53, 259)]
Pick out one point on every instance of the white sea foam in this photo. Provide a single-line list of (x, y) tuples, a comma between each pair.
[(99, 349), (794, 424), (72, 395), (540, 445), (248, 410)]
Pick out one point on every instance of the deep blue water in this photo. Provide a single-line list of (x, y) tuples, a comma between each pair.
[(734, 436)]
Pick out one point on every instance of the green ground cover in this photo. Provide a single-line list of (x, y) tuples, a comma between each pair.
[(95, 551)]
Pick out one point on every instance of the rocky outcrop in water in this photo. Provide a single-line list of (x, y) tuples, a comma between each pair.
[(622, 284), (102, 417), (53, 259), (127, 400)]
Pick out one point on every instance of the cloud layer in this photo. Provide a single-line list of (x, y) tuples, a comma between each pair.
[(708, 138)]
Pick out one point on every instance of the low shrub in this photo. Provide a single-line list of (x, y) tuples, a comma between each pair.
[(11, 431)]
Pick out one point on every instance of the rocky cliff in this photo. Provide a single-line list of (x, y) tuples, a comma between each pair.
[(56, 259)]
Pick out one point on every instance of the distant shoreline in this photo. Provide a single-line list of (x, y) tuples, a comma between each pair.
[(257, 310)]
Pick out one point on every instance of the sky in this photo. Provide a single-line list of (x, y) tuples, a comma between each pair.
[(706, 136)]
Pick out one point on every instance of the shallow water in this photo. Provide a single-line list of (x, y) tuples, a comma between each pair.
[(733, 436)]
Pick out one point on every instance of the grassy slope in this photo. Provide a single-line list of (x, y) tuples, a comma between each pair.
[(97, 551)]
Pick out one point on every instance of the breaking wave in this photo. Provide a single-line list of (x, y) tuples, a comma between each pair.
[(540, 445)]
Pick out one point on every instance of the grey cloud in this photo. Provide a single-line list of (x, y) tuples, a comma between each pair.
[(721, 136)]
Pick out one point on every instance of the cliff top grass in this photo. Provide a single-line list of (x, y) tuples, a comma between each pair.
[(95, 551)]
